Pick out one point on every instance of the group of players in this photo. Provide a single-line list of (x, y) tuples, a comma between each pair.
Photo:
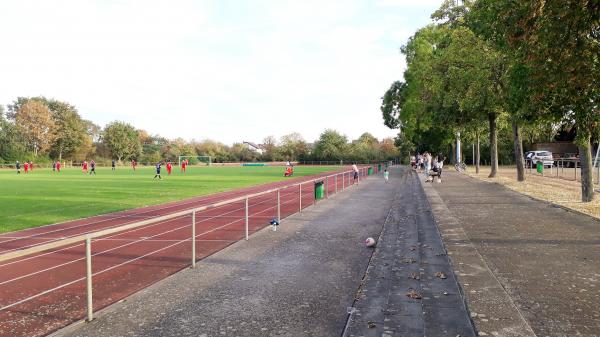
[(91, 167), (184, 165), (27, 166)]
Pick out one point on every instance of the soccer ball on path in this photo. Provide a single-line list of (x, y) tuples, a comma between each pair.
[(370, 242)]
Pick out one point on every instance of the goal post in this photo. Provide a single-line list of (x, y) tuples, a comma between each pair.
[(196, 160)]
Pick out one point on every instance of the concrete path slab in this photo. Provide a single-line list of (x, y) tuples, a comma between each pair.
[(410, 288), (529, 268)]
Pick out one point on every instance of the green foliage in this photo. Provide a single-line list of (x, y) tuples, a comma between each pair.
[(331, 145), (122, 140), (293, 147), (71, 131)]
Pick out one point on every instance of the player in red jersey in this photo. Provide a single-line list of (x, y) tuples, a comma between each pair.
[(84, 167), (26, 167), (58, 166), (133, 164), (169, 168)]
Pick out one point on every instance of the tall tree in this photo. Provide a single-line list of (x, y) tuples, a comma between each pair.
[(331, 145), (35, 122), (11, 139), (122, 140), (558, 42), (293, 146), (71, 132)]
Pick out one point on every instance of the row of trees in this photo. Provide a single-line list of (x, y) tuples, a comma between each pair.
[(42, 129), (486, 66)]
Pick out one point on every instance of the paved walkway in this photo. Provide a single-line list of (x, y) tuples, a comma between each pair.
[(410, 289), (297, 281), (304, 279), (528, 268)]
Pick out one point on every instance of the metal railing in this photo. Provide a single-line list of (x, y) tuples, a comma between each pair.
[(562, 168), (332, 184)]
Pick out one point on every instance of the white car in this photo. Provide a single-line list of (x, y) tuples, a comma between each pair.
[(545, 157)]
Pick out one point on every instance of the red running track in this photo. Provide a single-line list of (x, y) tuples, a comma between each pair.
[(43, 292)]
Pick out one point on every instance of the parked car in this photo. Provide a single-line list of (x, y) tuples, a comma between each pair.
[(545, 157)]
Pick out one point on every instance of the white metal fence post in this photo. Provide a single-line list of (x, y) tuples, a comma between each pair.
[(88, 267), (193, 239), (300, 197), (246, 218), (278, 206)]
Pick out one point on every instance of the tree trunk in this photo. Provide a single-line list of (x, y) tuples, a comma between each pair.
[(519, 159), (493, 145), (60, 155), (477, 154), (587, 182)]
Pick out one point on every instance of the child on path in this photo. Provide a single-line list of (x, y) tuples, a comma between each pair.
[(355, 169), (158, 171), (386, 175)]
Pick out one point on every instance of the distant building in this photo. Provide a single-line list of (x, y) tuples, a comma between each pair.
[(255, 147)]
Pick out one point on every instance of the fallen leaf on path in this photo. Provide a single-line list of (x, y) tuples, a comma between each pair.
[(413, 294)]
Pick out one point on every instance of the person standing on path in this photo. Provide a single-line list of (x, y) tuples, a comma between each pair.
[(158, 171), (427, 163), (386, 175)]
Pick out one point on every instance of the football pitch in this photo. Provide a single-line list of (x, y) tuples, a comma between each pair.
[(46, 197)]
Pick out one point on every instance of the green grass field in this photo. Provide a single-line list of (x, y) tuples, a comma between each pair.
[(44, 197)]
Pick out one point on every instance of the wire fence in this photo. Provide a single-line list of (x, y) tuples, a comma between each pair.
[(54, 277)]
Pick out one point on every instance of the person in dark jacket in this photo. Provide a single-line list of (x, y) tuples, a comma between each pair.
[(158, 165)]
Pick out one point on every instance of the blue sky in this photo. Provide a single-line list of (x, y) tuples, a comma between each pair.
[(225, 70)]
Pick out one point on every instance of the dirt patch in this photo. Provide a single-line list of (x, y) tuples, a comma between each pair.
[(563, 192)]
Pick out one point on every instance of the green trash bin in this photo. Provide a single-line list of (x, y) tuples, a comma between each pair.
[(378, 167), (319, 190), (540, 167), (370, 170)]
